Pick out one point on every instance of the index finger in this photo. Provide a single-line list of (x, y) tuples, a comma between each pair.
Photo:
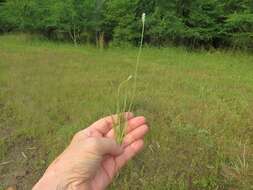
[(105, 124)]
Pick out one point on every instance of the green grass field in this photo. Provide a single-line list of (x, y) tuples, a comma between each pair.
[(199, 106)]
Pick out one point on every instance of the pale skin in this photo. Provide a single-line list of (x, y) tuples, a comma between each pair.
[(93, 158)]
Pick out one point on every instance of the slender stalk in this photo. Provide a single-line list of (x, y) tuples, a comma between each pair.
[(137, 63), (119, 90), (118, 128), (121, 123)]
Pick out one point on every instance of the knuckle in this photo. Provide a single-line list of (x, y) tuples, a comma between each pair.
[(77, 136), (130, 138)]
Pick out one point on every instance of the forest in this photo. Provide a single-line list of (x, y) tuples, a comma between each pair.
[(192, 23)]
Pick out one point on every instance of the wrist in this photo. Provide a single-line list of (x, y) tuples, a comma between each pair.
[(49, 179), (53, 182)]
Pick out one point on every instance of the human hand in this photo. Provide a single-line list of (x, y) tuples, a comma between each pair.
[(93, 157)]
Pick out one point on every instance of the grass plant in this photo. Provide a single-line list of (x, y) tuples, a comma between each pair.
[(125, 100)]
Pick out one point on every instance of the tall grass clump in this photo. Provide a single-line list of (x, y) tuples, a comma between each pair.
[(125, 96)]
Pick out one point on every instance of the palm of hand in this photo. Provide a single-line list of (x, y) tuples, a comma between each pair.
[(96, 164), (132, 144), (110, 165)]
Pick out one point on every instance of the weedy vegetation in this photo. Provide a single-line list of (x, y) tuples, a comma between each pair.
[(198, 105)]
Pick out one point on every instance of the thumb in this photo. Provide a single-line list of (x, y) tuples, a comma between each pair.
[(103, 146)]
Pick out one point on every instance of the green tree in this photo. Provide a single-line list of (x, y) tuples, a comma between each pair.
[(239, 26), (122, 15), (194, 23), (75, 17)]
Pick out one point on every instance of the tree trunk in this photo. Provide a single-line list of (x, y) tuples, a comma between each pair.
[(74, 36), (97, 39), (101, 40)]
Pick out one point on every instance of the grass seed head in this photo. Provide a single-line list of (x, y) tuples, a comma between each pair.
[(143, 17)]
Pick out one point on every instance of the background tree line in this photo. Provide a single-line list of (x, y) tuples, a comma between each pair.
[(194, 23)]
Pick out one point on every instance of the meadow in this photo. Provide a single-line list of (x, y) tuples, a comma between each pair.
[(199, 106)]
